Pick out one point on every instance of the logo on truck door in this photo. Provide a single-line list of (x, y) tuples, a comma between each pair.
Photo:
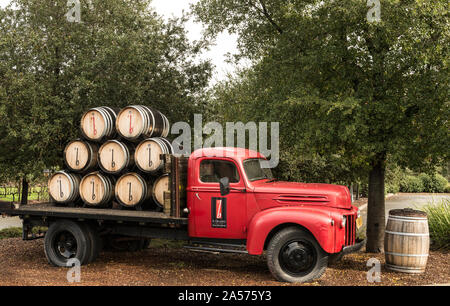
[(219, 212)]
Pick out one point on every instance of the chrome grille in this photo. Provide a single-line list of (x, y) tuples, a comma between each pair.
[(350, 230)]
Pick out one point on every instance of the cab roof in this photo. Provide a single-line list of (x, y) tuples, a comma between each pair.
[(234, 153)]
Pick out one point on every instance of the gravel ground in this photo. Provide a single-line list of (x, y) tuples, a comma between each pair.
[(24, 263)]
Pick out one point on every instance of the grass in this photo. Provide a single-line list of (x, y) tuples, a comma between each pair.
[(10, 194), (12, 232), (16, 232), (439, 224)]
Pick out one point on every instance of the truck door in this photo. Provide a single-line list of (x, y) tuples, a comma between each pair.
[(216, 216)]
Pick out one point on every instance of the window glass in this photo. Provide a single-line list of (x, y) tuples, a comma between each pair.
[(212, 170), (255, 171)]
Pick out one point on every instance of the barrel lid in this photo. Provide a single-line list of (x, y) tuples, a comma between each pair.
[(407, 212)]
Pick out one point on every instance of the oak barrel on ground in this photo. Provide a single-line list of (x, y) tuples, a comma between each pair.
[(63, 187), (407, 241), (132, 190), (81, 156), (148, 154), (115, 156), (98, 124), (97, 189)]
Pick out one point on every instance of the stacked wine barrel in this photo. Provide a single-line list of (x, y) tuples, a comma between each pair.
[(116, 160)]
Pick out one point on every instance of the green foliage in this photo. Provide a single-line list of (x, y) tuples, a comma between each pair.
[(52, 70), (12, 232), (338, 85), (16, 232), (439, 224), (411, 183), (447, 188), (433, 183)]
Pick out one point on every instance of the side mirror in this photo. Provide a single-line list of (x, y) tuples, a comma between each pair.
[(224, 186)]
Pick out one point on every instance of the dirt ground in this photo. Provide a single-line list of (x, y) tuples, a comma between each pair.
[(24, 263)]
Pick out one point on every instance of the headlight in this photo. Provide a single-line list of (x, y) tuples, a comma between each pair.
[(344, 221)]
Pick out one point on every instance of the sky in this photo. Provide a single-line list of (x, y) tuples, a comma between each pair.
[(225, 43)]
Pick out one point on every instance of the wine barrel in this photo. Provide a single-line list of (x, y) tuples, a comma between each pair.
[(97, 189), (406, 241), (115, 156), (63, 187), (160, 186), (136, 122), (81, 156), (132, 190), (98, 124), (147, 154)]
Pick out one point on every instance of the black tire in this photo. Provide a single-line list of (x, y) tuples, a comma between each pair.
[(294, 256), (66, 240), (95, 240), (335, 258)]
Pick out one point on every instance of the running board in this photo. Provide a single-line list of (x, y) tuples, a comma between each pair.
[(214, 250)]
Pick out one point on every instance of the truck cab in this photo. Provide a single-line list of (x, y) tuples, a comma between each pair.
[(232, 196)]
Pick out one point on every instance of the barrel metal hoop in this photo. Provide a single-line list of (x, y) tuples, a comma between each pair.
[(408, 234), (406, 255), (405, 269), (153, 122), (105, 120), (408, 218)]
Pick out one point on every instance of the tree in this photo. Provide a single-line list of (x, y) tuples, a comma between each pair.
[(342, 86), (52, 70)]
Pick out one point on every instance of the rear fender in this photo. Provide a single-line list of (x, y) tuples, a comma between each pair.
[(317, 221)]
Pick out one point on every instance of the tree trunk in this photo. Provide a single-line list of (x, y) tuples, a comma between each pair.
[(24, 199), (376, 209)]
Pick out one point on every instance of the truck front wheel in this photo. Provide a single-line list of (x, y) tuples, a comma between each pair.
[(293, 255)]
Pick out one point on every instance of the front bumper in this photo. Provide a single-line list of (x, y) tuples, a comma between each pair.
[(353, 248)]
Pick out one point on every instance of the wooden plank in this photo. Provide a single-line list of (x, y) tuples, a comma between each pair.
[(50, 210)]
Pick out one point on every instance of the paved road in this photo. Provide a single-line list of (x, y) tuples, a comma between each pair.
[(407, 200), (415, 201), (10, 222)]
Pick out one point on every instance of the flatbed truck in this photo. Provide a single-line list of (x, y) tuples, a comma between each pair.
[(220, 200)]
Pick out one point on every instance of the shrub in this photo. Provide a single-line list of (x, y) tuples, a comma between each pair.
[(411, 183), (439, 224), (433, 183), (447, 188), (392, 187), (13, 232)]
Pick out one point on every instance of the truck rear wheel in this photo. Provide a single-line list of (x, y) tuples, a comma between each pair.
[(293, 255), (95, 242), (66, 240)]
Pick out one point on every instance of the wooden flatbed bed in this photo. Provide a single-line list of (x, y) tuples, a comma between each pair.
[(50, 210)]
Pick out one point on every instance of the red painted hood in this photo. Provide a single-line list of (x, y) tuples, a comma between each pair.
[(288, 193)]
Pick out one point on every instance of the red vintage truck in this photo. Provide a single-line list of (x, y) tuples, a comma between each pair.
[(224, 201)]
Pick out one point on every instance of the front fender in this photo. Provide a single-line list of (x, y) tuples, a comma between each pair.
[(316, 220)]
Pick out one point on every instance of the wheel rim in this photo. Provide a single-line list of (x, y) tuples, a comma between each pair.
[(297, 257), (65, 245)]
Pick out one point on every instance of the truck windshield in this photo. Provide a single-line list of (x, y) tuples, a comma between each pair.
[(255, 171)]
